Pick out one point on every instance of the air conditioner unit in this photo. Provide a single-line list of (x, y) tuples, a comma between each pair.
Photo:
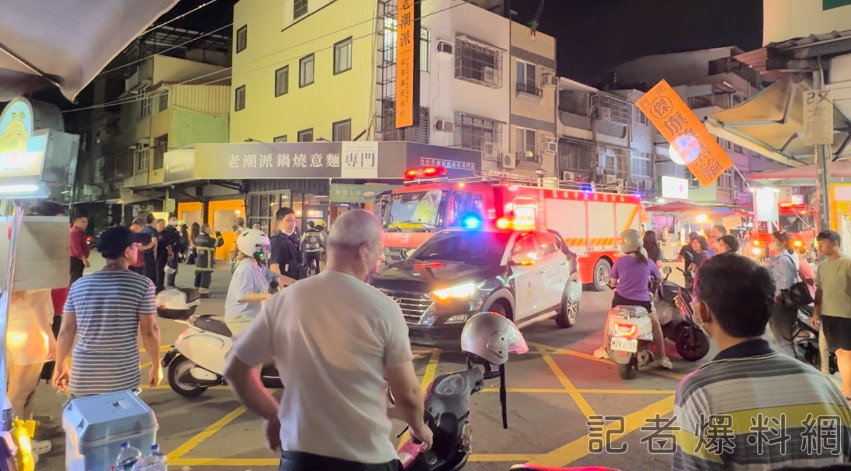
[(488, 151), (611, 179), (568, 176), (552, 147), (444, 125), (606, 113), (444, 46), (488, 74), (549, 80), (508, 161)]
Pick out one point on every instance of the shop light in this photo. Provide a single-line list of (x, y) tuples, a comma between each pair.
[(18, 189), (701, 218)]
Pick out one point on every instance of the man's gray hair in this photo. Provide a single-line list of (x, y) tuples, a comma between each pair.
[(353, 229)]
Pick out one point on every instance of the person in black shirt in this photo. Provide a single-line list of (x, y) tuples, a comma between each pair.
[(150, 258), (167, 237), (687, 252), (651, 245), (285, 257)]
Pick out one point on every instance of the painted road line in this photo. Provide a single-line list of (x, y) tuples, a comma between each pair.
[(580, 401), (428, 376), (584, 391), (580, 448), (206, 433), (546, 349)]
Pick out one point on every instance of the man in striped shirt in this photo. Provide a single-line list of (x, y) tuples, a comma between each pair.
[(752, 408), (104, 311)]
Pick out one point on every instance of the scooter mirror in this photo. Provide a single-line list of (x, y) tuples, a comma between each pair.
[(667, 270)]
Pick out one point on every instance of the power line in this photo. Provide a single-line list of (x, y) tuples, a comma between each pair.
[(153, 28), (146, 95)]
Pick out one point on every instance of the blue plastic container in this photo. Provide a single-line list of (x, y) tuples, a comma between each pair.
[(95, 426)]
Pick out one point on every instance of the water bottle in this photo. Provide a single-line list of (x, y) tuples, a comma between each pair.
[(128, 457), (156, 461)]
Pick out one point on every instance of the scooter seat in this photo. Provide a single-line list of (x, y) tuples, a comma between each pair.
[(210, 324)]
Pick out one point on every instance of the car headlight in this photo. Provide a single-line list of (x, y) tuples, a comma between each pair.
[(463, 291)]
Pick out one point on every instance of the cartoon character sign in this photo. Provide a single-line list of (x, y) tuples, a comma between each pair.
[(15, 136)]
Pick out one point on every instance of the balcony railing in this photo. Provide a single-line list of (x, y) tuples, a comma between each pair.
[(530, 89)]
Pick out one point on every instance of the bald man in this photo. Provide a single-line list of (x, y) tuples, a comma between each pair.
[(333, 356)]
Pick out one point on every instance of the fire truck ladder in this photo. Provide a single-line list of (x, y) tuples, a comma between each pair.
[(522, 180)]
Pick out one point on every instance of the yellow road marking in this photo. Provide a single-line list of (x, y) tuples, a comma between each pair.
[(428, 376), (145, 365), (583, 391), (546, 349), (579, 448), (206, 433), (580, 401), (223, 462)]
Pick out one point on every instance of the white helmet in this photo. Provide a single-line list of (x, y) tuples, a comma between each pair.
[(254, 243), (630, 241), (491, 336)]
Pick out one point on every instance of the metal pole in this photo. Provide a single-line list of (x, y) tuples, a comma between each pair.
[(822, 153), (5, 297)]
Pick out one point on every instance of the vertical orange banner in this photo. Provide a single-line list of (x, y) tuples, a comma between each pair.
[(405, 63), (685, 132)]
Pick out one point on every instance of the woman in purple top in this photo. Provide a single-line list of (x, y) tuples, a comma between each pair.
[(631, 281)]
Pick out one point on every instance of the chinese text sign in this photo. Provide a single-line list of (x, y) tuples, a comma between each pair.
[(686, 133), (818, 117), (407, 40)]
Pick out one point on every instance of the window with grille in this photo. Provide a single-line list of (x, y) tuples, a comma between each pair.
[(145, 108), (576, 156), (425, 37), (527, 78), (639, 117), (343, 56), (160, 148), (642, 164), (280, 138), (342, 130), (725, 181), (419, 133), (305, 135), (239, 98), (282, 81), (163, 101), (142, 161), (478, 63), (525, 144), (615, 110), (472, 132), (241, 39), (305, 71), (299, 8)]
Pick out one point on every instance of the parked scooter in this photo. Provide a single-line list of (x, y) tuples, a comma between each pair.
[(631, 335), (806, 341), (487, 338), (673, 305), (197, 359)]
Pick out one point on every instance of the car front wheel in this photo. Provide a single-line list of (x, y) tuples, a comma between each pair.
[(569, 310)]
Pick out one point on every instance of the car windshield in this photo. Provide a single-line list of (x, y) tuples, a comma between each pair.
[(474, 247), (416, 209)]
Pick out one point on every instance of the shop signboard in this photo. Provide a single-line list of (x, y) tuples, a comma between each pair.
[(359, 159), (268, 160), (22, 149), (818, 117), (347, 193), (675, 188)]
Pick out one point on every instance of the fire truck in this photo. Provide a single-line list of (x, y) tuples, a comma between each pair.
[(588, 217), (796, 219)]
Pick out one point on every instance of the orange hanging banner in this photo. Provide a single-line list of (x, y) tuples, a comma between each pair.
[(407, 40), (685, 132)]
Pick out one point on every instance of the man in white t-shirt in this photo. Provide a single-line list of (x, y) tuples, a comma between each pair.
[(333, 353)]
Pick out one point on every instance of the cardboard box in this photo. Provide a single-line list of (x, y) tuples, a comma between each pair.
[(43, 260)]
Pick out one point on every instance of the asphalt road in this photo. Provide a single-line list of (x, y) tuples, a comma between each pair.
[(552, 390)]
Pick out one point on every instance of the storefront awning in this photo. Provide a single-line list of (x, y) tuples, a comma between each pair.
[(840, 171), (66, 43), (771, 124)]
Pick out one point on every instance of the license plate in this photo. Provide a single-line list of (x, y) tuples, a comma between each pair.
[(624, 345)]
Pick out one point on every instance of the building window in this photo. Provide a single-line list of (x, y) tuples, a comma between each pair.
[(639, 117), (527, 78), (725, 181), (241, 39), (472, 132), (693, 182), (305, 135), (343, 56), (239, 98), (342, 131), (163, 101), (305, 71), (425, 37), (145, 110), (280, 138), (476, 62), (142, 161), (388, 131), (282, 80), (641, 164), (525, 144), (160, 148), (299, 8)]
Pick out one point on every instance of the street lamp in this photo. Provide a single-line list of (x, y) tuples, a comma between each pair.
[(675, 156)]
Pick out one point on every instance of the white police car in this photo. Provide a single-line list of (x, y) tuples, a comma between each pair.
[(527, 276)]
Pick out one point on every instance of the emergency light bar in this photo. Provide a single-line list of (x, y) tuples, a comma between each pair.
[(433, 171)]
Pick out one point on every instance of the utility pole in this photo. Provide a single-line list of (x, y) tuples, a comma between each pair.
[(822, 153)]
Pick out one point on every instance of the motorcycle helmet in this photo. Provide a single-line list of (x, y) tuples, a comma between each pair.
[(491, 336), (255, 243), (630, 241)]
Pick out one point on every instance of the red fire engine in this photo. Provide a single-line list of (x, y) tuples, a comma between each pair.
[(589, 220), (796, 219)]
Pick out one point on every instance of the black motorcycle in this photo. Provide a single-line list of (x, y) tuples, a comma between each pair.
[(805, 337), (691, 342)]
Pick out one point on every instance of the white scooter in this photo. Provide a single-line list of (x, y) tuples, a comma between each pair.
[(197, 359), (631, 337)]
